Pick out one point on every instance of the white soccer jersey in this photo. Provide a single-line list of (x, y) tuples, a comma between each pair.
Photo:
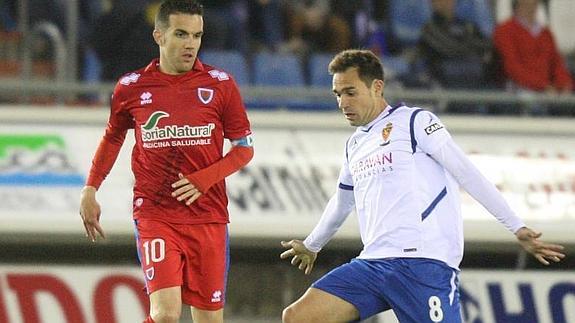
[(402, 172)]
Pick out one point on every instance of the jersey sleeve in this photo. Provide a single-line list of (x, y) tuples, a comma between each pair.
[(336, 211), (119, 122), (429, 133), (454, 160), (235, 119)]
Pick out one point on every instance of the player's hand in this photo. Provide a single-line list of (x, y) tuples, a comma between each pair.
[(542, 251), (185, 190), (90, 213), (302, 257)]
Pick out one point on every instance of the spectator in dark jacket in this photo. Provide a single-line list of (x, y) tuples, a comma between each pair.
[(449, 44), (122, 38)]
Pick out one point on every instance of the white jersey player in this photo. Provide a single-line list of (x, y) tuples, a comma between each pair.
[(402, 172)]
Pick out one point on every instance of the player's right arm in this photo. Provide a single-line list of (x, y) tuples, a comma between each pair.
[(340, 205), (118, 124)]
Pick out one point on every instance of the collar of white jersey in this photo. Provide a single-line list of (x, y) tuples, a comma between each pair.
[(386, 112)]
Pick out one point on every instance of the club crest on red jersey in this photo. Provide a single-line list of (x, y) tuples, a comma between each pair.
[(150, 273), (205, 95)]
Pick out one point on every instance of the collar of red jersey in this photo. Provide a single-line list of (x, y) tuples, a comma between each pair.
[(155, 66)]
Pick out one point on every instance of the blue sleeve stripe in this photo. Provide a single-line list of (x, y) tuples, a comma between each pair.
[(412, 130), (345, 187), (246, 141), (433, 204)]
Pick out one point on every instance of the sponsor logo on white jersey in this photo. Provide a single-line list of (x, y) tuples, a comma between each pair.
[(217, 296), (433, 128), (221, 76), (205, 95), (130, 78), (145, 98)]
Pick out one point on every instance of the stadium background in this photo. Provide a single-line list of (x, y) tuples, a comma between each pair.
[(50, 273)]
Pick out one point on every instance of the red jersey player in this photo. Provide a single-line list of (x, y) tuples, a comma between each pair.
[(181, 110)]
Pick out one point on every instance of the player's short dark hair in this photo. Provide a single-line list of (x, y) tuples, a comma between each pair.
[(368, 65), (170, 7), (515, 3)]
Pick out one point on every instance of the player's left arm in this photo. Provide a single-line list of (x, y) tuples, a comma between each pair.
[(434, 139), (236, 127), (191, 186)]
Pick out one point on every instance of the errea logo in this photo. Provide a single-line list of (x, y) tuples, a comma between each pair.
[(145, 98), (217, 296), (221, 76)]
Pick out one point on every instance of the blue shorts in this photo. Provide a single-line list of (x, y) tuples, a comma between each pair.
[(418, 290)]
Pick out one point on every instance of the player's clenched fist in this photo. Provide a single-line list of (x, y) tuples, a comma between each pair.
[(302, 257)]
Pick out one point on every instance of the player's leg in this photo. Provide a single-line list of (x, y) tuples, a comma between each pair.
[(161, 262), (166, 305), (421, 290), (206, 262), (345, 294), (205, 316), (319, 306)]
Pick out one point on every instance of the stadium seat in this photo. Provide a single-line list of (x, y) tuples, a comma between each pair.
[(479, 12), (232, 62), (317, 66), (277, 70), (407, 18)]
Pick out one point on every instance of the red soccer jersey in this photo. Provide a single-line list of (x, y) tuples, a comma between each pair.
[(179, 123)]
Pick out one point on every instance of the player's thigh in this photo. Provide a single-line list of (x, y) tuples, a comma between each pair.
[(207, 316), (206, 263), (160, 255), (166, 302), (424, 290), (318, 306)]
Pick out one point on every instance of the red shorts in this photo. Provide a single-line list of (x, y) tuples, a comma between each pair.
[(193, 256)]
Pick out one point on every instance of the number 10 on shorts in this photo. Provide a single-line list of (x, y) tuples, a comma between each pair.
[(154, 250)]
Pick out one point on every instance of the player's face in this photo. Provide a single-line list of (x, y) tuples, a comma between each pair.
[(359, 103), (179, 43)]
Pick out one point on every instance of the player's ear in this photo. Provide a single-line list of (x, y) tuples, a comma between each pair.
[(377, 87), (157, 34)]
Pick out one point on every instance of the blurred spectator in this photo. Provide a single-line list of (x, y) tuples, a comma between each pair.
[(265, 24), (225, 25), (529, 55), (8, 15), (313, 27), (479, 12), (454, 50), (122, 38)]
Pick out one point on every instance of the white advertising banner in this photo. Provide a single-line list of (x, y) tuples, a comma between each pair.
[(65, 294), (98, 294), (283, 190)]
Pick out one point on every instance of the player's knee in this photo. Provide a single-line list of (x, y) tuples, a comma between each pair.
[(166, 316), (291, 314)]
